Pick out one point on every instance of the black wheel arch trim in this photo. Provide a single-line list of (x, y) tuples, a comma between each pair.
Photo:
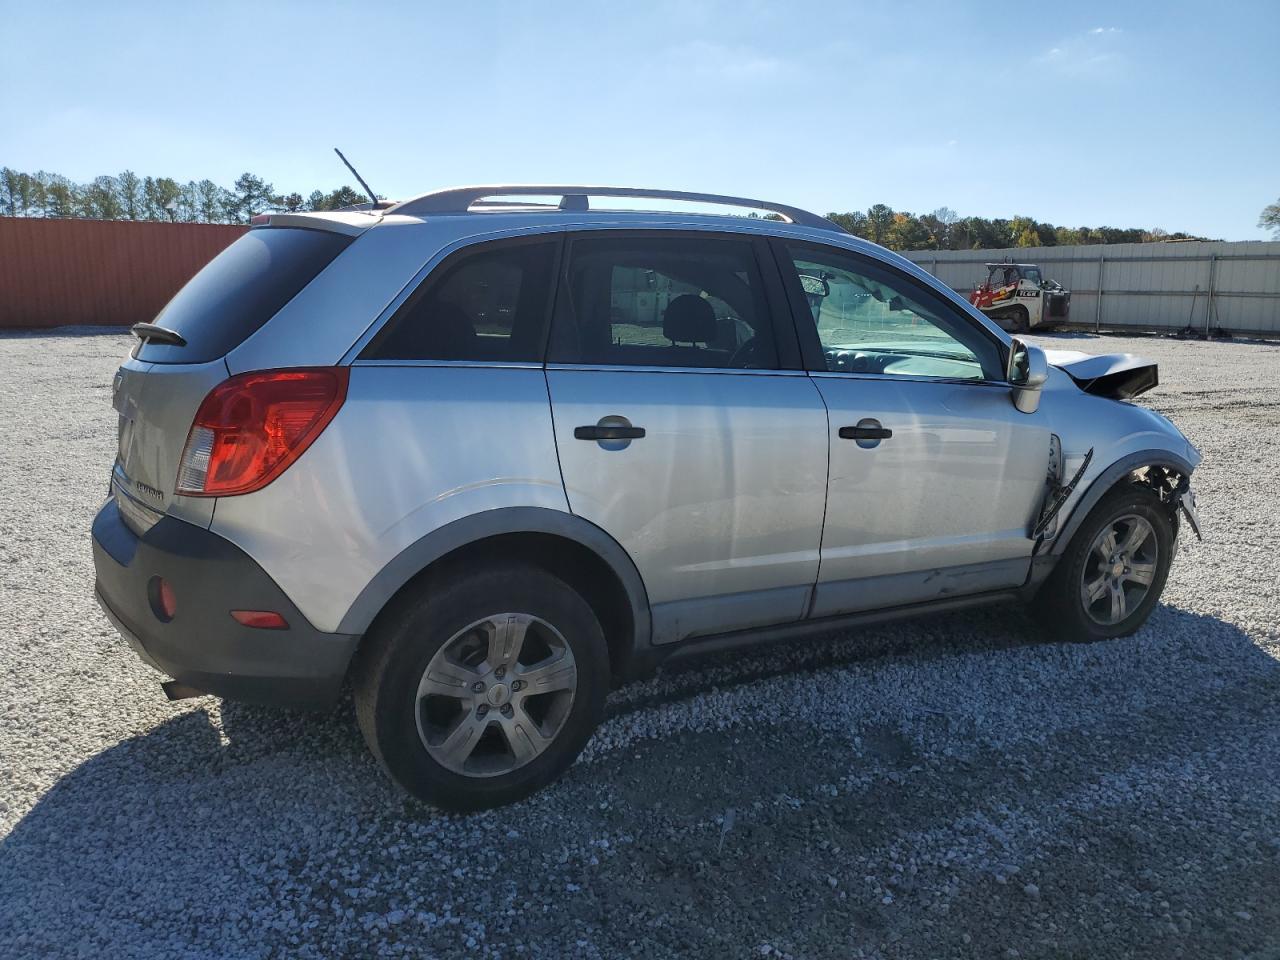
[(1106, 480), (416, 557)]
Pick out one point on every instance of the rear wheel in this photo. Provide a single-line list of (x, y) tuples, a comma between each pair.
[(1114, 570), (1019, 319), (484, 688)]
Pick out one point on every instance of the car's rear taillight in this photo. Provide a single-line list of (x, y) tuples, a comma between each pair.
[(249, 429)]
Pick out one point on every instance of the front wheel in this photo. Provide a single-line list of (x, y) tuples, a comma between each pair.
[(484, 687), (1112, 574)]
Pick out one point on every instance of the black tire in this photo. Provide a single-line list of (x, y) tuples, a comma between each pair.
[(1019, 319), (1060, 606), (409, 635)]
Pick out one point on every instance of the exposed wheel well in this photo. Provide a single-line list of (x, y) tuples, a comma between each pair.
[(1165, 480), (575, 564)]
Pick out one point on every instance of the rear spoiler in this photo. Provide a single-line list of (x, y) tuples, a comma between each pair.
[(149, 331), (351, 223), (1120, 376)]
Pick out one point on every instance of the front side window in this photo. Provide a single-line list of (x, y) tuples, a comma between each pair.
[(486, 304), (664, 301), (871, 319)]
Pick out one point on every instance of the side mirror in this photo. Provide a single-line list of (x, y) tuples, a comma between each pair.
[(815, 286), (1027, 371)]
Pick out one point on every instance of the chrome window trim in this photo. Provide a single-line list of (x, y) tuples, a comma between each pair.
[(598, 367), (905, 378), (630, 368), (495, 364)]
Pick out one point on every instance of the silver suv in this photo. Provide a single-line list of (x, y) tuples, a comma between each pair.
[(483, 456)]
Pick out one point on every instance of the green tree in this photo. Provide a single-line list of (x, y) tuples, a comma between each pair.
[(160, 198), (1024, 233), (344, 196), (855, 222), (61, 196), (252, 196), (22, 196), (129, 192), (100, 200), (879, 220), (1269, 219), (908, 233), (292, 202), (211, 202)]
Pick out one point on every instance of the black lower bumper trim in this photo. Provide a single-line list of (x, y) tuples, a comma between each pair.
[(202, 646)]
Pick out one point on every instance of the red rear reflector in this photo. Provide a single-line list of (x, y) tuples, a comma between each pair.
[(164, 602), (251, 428), (262, 619)]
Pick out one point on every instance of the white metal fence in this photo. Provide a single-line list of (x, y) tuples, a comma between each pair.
[(1157, 286)]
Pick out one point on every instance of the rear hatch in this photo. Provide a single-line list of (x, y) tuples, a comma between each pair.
[(157, 391)]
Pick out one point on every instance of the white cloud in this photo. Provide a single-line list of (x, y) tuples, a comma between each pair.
[(1095, 53)]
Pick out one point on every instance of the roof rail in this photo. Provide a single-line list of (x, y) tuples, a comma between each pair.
[(576, 198)]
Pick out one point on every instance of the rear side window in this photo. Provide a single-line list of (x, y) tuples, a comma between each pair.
[(663, 301), (487, 303), (241, 289)]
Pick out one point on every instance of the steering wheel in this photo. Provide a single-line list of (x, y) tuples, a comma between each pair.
[(746, 355)]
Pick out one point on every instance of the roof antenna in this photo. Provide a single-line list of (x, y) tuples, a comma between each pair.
[(358, 177)]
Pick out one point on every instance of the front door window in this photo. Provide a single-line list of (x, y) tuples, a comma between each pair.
[(871, 320)]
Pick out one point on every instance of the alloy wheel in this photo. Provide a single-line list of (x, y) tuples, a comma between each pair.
[(1119, 569), (495, 695)]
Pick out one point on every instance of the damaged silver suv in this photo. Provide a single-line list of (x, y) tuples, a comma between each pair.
[(484, 453)]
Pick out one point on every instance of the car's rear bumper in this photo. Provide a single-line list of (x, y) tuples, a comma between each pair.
[(202, 646)]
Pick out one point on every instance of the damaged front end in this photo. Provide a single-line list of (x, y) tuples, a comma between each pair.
[(1119, 376), (1174, 490), (1171, 486)]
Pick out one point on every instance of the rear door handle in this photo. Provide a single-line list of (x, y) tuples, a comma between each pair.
[(865, 431), (598, 432)]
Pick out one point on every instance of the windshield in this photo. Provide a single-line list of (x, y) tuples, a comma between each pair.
[(1031, 273)]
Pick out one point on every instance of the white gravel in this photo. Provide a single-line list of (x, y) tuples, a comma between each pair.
[(953, 787)]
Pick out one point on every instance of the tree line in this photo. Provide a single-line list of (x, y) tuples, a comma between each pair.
[(944, 229), (128, 196)]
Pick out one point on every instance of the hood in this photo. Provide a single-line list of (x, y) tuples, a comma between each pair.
[(1120, 376)]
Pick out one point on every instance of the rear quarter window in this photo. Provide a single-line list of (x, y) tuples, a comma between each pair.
[(488, 303), (241, 289)]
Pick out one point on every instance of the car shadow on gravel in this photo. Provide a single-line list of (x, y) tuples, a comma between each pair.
[(225, 811)]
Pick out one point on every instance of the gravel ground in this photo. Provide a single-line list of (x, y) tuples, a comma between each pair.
[(947, 788)]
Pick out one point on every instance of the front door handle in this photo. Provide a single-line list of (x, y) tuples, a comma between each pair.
[(612, 432), (866, 430), (608, 432)]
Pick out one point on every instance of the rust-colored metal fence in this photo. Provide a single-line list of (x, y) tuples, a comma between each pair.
[(57, 272)]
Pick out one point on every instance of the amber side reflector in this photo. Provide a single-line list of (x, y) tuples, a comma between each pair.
[(261, 619)]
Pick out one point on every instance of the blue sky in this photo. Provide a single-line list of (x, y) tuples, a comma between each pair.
[(1125, 114)]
